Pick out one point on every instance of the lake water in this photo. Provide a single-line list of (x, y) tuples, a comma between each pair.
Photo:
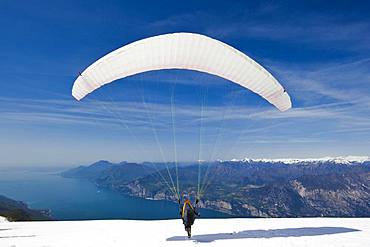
[(75, 199)]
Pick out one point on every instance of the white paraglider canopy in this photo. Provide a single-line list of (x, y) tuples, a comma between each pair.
[(182, 51)]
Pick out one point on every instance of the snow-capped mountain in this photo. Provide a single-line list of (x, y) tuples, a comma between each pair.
[(347, 160)]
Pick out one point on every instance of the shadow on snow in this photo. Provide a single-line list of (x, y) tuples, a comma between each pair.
[(25, 236), (271, 233)]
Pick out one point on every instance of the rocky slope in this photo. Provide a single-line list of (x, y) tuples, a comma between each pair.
[(18, 211)]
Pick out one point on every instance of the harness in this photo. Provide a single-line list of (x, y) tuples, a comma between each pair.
[(183, 207)]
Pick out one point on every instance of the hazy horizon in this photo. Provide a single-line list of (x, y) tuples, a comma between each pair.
[(56, 167)]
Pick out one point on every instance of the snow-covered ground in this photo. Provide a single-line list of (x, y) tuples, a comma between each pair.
[(3, 219), (206, 232)]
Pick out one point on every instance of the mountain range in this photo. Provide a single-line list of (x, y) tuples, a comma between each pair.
[(335, 187)]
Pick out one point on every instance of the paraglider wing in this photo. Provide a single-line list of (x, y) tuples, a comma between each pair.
[(182, 51)]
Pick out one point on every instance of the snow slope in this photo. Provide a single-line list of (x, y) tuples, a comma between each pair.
[(207, 232), (3, 219)]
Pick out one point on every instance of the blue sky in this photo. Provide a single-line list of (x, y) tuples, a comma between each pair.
[(319, 51)]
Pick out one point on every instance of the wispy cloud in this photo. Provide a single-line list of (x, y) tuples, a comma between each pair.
[(145, 115), (314, 29), (345, 81)]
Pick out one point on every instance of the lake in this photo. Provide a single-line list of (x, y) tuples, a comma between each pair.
[(75, 199)]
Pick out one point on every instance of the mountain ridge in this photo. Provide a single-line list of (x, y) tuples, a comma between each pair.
[(14, 210), (338, 160), (250, 188)]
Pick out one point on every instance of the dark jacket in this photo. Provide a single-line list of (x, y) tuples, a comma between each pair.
[(188, 213)]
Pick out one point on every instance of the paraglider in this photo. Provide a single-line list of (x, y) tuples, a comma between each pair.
[(188, 213), (187, 51), (182, 51)]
